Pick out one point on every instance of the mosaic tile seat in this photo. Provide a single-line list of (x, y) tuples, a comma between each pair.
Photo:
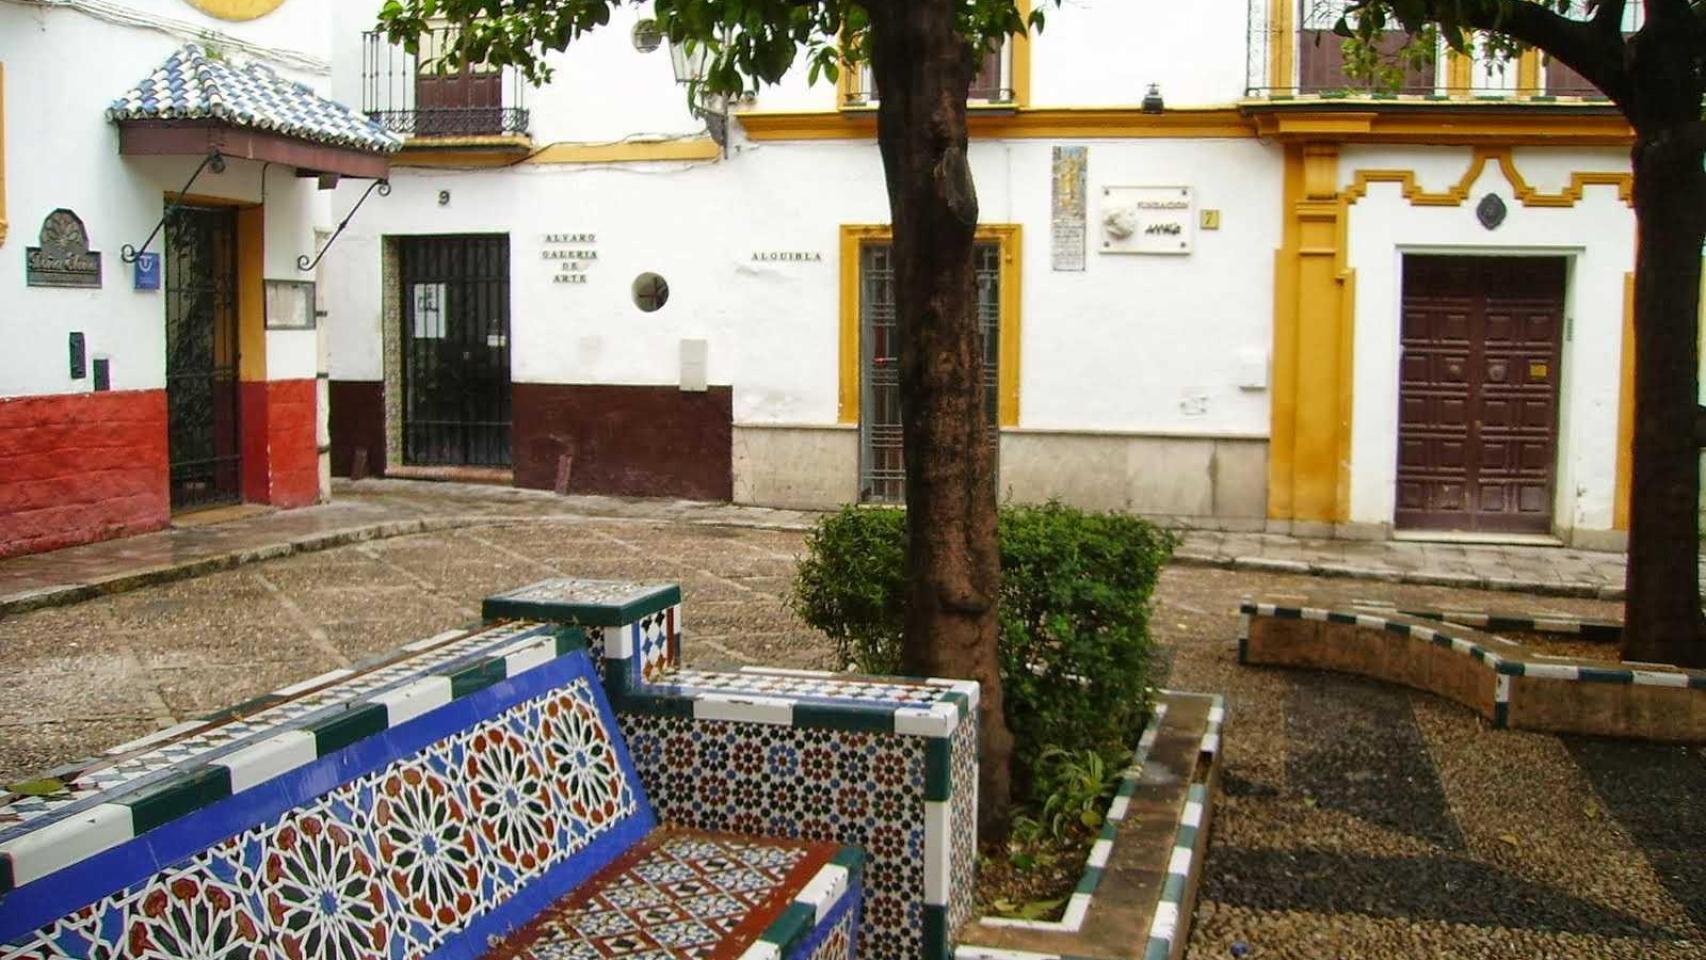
[(429, 805)]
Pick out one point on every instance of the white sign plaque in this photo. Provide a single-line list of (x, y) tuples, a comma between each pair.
[(1148, 220)]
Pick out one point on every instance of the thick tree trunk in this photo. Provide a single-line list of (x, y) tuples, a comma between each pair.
[(1662, 609), (924, 67)]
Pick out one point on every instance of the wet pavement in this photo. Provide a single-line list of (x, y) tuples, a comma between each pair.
[(1358, 820)]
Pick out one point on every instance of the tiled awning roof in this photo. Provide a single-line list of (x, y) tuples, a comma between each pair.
[(191, 85)]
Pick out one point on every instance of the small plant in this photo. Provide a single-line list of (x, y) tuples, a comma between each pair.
[(1075, 787), (1075, 597)]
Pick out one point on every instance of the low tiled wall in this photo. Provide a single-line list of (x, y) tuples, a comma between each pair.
[(1500, 680), (417, 808)]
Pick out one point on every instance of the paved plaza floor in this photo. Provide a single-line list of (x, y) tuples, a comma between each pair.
[(1358, 820)]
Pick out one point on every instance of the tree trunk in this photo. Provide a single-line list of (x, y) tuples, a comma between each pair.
[(1663, 622), (924, 67)]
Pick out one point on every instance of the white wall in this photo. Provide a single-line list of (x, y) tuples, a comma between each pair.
[(1118, 347), (61, 151), (1597, 234)]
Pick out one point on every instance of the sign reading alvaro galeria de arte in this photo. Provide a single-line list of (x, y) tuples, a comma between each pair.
[(64, 258)]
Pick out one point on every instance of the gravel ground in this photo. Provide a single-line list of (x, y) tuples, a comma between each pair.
[(1358, 820)]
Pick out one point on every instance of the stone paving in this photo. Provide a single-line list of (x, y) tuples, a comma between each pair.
[(376, 509), (1358, 820)]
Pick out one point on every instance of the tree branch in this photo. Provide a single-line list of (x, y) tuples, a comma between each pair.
[(1608, 16), (1581, 45)]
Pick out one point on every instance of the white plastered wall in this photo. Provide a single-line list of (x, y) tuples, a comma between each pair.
[(1132, 344), (63, 152), (1596, 235)]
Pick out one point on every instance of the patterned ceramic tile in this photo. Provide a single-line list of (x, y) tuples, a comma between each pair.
[(161, 760), (676, 896), (801, 685), (962, 900), (861, 789), (570, 590), (391, 864), (838, 939)]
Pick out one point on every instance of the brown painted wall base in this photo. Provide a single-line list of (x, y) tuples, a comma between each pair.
[(357, 422), (625, 441)]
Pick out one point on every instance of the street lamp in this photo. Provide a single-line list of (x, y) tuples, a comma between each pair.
[(691, 60)]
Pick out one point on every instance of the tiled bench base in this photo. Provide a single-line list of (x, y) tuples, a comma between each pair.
[(683, 895), (1505, 682)]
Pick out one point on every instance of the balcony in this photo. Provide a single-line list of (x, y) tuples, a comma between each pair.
[(1294, 55), (410, 96)]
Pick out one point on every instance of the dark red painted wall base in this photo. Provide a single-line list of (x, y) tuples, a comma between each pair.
[(76, 468), (358, 423), (625, 441), (281, 460)]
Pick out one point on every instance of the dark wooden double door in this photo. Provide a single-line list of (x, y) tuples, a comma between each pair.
[(1478, 393)]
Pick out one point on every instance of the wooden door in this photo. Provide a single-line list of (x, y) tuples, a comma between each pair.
[(1478, 393)]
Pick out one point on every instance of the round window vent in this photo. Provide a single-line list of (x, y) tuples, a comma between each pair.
[(651, 292), (647, 36)]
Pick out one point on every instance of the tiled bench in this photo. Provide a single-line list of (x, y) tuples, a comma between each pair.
[(472, 795), (882, 763)]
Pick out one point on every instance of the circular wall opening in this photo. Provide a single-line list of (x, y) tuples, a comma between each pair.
[(651, 292), (647, 36)]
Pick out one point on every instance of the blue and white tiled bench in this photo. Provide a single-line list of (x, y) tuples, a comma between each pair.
[(882, 763), (472, 795)]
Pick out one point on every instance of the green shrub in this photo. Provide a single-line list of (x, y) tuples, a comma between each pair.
[(1075, 598)]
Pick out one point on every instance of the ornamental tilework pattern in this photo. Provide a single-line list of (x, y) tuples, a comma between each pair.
[(962, 758), (676, 896), (839, 936), (657, 643), (161, 760), (863, 789), (391, 864)]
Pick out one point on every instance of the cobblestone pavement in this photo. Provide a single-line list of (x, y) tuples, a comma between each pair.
[(1358, 820)]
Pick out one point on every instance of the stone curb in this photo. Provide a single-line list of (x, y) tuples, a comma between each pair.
[(67, 594), (1465, 581)]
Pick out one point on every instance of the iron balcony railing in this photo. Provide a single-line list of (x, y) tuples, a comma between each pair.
[(412, 95), (1294, 54)]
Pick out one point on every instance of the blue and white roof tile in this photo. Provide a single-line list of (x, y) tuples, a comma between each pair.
[(192, 85)]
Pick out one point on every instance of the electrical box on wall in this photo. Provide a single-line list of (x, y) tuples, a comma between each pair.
[(695, 365), (79, 357), (1253, 369)]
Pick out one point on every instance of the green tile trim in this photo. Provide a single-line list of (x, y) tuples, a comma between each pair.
[(570, 639), (851, 858), (6, 881), (1186, 837), (337, 732), (1600, 675), (1501, 715), (789, 928), (177, 797), (1173, 891), (477, 677), (1090, 881), (501, 607), (961, 701), (936, 945), (938, 770), (652, 705), (851, 717)]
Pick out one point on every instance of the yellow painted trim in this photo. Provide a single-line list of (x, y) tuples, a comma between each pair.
[(1458, 194), (1519, 123), (1000, 122), (1528, 72), (1010, 236), (3, 225), (1626, 412), (1459, 74), (236, 9), (699, 148), (1282, 431), (251, 294), (1282, 44)]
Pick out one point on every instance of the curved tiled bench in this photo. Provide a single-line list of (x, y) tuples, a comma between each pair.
[(1507, 683), (475, 788)]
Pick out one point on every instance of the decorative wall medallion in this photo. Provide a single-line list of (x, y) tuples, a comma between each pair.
[(1492, 211), (64, 258), (236, 9)]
